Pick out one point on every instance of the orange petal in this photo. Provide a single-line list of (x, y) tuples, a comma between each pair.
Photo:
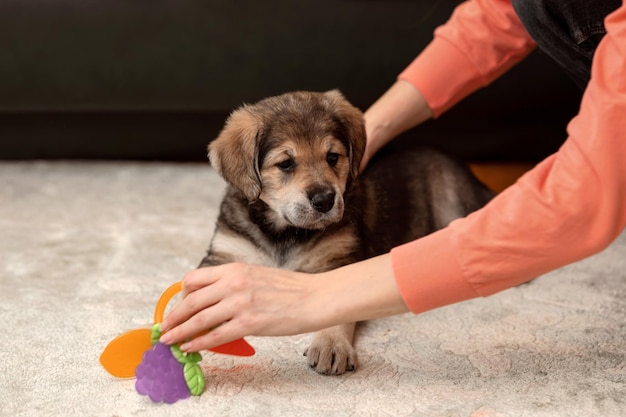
[(124, 353)]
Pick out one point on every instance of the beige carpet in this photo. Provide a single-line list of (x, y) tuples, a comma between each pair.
[(87, 248)]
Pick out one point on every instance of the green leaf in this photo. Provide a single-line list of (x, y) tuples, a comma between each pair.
[(194, 378), (156, 334), (183, 357), (193, 357), (178, 354)]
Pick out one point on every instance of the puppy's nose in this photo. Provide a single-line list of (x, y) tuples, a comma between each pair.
[(322, 201)]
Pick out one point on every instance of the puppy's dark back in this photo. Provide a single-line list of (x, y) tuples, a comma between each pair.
[(409, 194)]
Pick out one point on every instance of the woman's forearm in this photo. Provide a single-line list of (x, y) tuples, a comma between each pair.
[(361, 291), (399, 109)]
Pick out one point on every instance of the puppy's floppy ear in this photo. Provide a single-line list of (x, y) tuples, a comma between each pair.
[(234, 153), (352, 126)]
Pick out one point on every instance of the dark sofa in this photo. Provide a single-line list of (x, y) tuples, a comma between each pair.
[(154, 80)]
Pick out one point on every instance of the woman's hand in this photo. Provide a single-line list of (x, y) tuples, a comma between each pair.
[(237, 300)]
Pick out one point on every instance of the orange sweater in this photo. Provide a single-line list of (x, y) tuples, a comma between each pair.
[(572, 205)]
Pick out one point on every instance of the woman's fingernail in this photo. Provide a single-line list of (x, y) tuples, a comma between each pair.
[(165, 339), (185, 347)]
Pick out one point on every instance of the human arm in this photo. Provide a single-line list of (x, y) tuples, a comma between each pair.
[(252, 300), (480, 42), (570, 206)]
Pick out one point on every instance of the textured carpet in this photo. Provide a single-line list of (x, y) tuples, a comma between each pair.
[(87, 248)]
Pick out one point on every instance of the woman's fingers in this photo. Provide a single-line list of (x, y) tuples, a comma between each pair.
[(198, 323), (227, 332), (191, 316), (199, 293), (203, 306), (200, 278)]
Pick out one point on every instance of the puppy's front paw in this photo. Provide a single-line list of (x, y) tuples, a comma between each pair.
[(330, 355)]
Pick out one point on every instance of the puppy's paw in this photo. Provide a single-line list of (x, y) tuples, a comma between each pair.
[(331, 355)]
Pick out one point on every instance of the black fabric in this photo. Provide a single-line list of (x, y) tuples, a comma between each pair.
[(567, 30)]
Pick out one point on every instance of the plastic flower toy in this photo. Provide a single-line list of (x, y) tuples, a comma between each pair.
[(164, 373)]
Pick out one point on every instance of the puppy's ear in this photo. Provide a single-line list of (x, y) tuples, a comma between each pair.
[(234, 153), (352, 127)]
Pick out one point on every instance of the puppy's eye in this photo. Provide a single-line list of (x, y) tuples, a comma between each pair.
[(287, 165), (332, 158)]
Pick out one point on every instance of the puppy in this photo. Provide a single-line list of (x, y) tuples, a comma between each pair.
[(296, 201)]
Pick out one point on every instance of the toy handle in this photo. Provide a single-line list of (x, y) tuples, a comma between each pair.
[(167, 295)]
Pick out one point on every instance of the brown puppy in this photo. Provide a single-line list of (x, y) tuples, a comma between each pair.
[(295, 199)]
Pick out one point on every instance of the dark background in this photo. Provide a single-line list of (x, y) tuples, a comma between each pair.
[(155, 80)]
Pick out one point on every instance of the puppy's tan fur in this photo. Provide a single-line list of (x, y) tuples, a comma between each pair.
[(295, 199)]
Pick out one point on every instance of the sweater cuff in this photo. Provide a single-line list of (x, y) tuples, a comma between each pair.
[(442, 85), (428, 274)]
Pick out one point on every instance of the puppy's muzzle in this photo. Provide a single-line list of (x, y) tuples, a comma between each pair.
[(322, 200)]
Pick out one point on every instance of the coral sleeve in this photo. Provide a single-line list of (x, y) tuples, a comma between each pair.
[(570, 206), (481, 41)]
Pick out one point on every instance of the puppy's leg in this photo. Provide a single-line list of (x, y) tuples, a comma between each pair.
[(331, 351)]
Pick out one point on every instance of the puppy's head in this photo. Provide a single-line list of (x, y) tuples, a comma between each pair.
[(297, 152)]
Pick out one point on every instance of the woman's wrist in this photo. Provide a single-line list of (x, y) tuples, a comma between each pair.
[(361, 291)]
